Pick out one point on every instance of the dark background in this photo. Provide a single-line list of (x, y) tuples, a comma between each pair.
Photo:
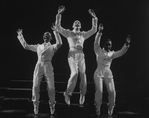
[(119, 17)]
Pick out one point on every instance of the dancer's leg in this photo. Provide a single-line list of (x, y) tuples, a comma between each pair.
[(98, 94), (83, 82), (73, 76), (38, 73), (111, 94), (72, 80), (50, 85)]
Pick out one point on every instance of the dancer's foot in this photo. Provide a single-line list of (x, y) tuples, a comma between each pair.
[(98, 110), (110, 110), (52, 107), (36, 107), (82, 99), (67, 98)]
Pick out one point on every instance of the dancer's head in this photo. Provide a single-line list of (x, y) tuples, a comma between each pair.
[(108, 45), (47, 37), (77, 25)]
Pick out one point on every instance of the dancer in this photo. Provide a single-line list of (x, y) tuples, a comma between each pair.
[(45, 52), (103, 73), (76, 59)]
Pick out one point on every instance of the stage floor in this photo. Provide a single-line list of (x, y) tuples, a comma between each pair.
[(15, 102), (122, 110)]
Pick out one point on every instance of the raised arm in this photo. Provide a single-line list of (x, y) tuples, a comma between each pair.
[(64, 32), (97, 38), (93, 30), (58, 43), (123, 49), (23, 42)]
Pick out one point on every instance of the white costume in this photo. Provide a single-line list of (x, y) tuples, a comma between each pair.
[(103, 72), (43, 67), (76, 56)]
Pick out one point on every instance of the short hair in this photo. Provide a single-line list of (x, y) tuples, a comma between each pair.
[(77, 22), (107, 44), (47, 36)]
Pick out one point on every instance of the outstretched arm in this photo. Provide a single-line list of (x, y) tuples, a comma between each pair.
[(94, 25), (123, 49), (64, 32), (23, 42), (97, 38)]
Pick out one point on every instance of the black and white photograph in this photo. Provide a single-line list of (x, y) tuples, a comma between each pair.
[(74, 59)]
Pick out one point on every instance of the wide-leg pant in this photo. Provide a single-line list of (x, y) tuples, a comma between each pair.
[(43, 68), (77, 63), (109, 82)]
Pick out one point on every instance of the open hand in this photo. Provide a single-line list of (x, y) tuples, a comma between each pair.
[(101, 26), (61, 9), (128, 39), (19, 31), (53, 27), (91, 11)]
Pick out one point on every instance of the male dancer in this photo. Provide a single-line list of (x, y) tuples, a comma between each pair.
[(45, 52), (76, 59), (103, 73)]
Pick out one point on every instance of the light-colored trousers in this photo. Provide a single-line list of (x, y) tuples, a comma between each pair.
[(100, 77), (41, 69), (77, 63)]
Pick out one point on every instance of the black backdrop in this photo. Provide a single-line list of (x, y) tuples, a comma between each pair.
[(119, 17)]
